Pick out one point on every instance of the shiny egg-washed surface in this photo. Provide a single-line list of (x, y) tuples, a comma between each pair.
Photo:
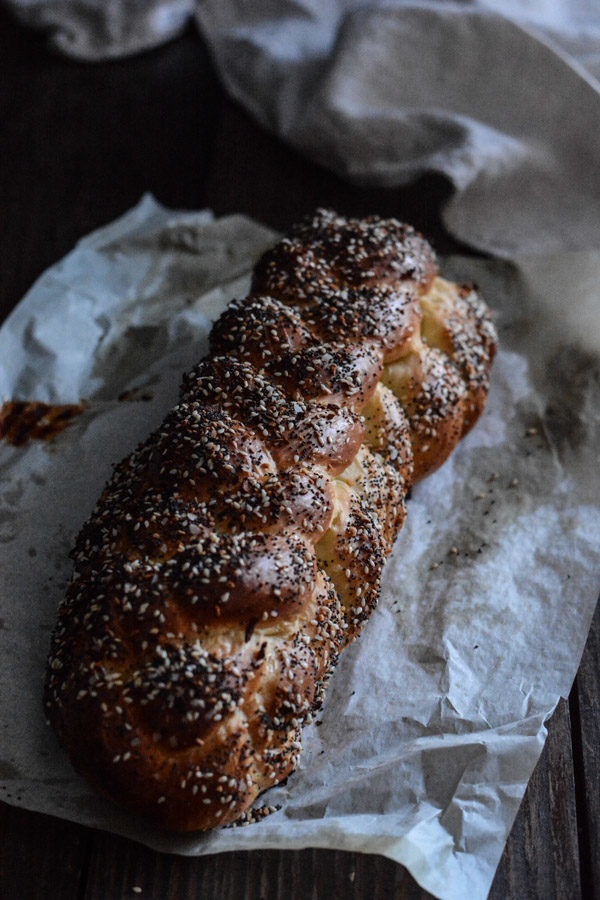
[(238, 550)]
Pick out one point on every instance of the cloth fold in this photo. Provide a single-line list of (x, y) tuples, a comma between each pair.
[(502, 98)]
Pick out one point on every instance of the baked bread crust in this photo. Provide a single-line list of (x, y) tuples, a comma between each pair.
[(236, 551)]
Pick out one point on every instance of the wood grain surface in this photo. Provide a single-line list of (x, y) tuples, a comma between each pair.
[(79, 145)]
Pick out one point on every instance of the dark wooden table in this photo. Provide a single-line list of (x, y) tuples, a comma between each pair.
[(79, 144)]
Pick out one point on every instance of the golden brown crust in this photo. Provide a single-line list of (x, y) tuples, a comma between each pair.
[(271, 337), (456, 321), (235, 552), (432, 394), (359, 279)]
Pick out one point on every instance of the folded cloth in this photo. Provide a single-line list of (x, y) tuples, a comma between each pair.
[(501, 97), (96, 30)]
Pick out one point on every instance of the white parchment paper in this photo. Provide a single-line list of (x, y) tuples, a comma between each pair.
[(434, 718)]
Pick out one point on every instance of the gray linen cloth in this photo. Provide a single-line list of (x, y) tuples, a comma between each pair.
[(502, 97)]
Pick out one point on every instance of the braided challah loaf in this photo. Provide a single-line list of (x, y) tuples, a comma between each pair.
[(240, 548)]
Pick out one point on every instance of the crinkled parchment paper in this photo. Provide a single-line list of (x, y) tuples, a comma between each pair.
[(434, 719)]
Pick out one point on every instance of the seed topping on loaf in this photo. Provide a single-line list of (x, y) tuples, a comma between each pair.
[(240, 548)]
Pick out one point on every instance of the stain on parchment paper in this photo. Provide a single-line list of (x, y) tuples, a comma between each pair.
[(131, 353), (23, 421), (572, 388), (205, 253), (8, 525), (8, 771), (124, 357), (13, 492)]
